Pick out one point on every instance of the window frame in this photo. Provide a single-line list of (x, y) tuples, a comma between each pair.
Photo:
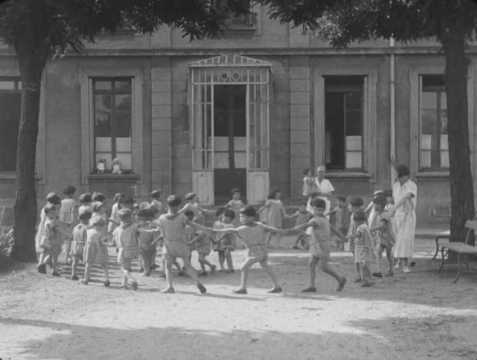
[(113, 124), (436, 90), (370, 97), (86, 75), (347, 88)]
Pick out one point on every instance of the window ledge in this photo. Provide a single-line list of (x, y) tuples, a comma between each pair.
[(114, 177), (347, 174), (8, 175), (433, 174)]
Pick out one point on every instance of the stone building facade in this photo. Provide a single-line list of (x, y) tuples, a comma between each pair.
[(250, 109)]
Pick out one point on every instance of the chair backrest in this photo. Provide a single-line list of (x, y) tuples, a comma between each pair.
[(471, 226)]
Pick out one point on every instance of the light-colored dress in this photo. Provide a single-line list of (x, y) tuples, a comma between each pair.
[(405, 219), (67, 211), (224, 241), (308, 185), (325, 187), (363, 248), (235, 206), (114, 217), (254, 237), (79, 241), (274, 213), (96, 250)]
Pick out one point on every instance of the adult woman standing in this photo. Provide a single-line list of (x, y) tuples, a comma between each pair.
[(405, 199), (324, 187)]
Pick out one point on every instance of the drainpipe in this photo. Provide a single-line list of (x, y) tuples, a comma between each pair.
[(392, 108)]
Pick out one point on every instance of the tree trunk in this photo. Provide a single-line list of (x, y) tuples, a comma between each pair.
[(461, 184)]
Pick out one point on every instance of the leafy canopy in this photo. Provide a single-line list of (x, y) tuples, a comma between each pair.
[(344, 21), (61, 24)]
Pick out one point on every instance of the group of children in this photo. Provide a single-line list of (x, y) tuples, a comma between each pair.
[(84, 231)]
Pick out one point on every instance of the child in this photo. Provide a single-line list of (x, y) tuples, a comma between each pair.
[(363, 250), (225, 242), (308, 183), (51, 240), (125, 236), (53, 199), (146, 240), (203, 246), (79, 241), (96, 250), (380, 225), (98, 197), (302, 217), (173, 225), (114, 212), (341, 219), (85, 203), (67, 215), (356, 204), (254, 235), (319, 230), (236, 204), (126, 202), (388, 194), (192, 204), (156, 201), (275, 213)]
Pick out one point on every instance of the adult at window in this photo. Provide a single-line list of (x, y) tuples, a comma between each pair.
[(405, 200), (324, 188)]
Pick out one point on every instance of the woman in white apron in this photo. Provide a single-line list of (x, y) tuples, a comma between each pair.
[(405, 200)]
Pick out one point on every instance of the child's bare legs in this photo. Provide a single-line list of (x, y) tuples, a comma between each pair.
[(203, 261), (54, 265), (67, 247), (168, 270), (244, 275), (366, 275), (74, 265), (106, 274), (221, 255), (276, 288), (330, 270), (228, 258), (379, 255), (193, 275), (312, 265), (87, 270), (127, 275), (389, 256), (358, 271)]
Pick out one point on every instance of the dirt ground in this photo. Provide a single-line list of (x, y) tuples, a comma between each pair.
[(421, 315)]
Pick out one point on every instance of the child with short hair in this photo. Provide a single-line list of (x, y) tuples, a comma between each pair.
[(96, 249), (98, 197), (51, 240), (68, 215), (173, 225), (319, 231), (51, 199), (79, 241), (203, 247), (356, 204), (125, 236), (254, 235), (274, 213), (225, 241), (146, 240), (340, 219), (235, 204), (363, 248), (302, 217), (381, 227), (85, 202)]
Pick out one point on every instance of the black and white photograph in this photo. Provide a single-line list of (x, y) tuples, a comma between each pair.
[(238, 179)]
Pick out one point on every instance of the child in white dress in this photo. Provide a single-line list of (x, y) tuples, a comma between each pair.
[(363, 248), (68, 215), (236, 204), (79, 242), (224, 243)]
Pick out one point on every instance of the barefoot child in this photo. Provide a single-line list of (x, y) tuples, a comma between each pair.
[(254, 235), (319, 231), (147, 241), (79, 241), (274, 213), (382, 229), (96, 249), (356, 204), (363, 251), (173, 226), (341, 219), (225, 241)]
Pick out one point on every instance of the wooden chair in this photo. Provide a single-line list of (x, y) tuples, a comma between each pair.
[(461, 249)]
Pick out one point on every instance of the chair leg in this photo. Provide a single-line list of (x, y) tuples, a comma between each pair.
[(459, 268), (437, 248), (443, 259)]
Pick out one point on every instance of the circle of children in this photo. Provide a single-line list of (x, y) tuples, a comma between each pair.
[(84, 230)]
